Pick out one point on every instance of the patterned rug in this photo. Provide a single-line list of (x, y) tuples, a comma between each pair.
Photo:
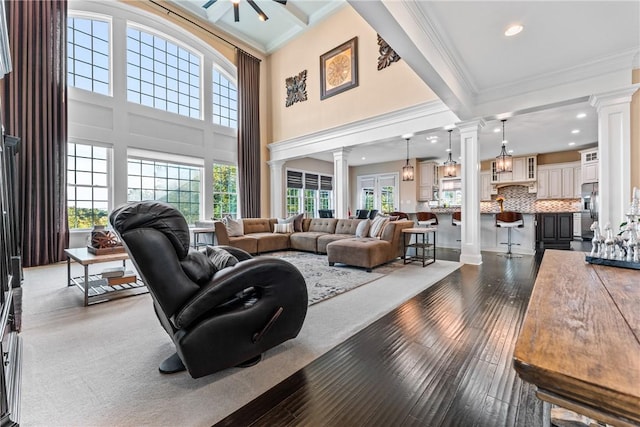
[(324, 282)]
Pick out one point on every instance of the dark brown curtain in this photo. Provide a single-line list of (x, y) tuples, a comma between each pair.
[(34, 108), (249, 134)]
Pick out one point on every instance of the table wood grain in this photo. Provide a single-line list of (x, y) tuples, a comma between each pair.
[(580, 337)]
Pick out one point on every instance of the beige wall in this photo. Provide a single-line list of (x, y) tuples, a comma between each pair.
[(635, 133), (378, 92), (408, 189), (310, 165), (558, 157)]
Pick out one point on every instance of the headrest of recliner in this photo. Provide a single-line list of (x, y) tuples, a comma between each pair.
[(157, 215)]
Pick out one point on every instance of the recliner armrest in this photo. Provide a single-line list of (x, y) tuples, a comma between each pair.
[(256, 272)]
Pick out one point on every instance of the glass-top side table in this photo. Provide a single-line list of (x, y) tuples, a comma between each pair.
[(424, 244)]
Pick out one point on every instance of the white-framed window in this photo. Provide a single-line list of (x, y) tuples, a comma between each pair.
[(451, 192), (225, 190), (308, 192), (173, 183), (87, 185), (379, 192), (225, 101), (88, 54), (161, 74)]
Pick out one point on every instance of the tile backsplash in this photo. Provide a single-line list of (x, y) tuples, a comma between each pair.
[(518, 199)]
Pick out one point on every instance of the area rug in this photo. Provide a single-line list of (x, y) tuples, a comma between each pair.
[(324, 281), (98, 366)]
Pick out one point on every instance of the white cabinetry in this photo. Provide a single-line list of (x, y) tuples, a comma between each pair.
[(428, 180), (589, 165), (558, 181), (486, 189), (524, 170), (577, 224)]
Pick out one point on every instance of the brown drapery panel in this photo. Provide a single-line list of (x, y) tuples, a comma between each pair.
[(249, 134), (34, 108)]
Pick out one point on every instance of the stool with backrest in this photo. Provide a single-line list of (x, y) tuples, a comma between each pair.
[(362, 213), (509, 220), (426, 219), (400, 215), (373, 213)]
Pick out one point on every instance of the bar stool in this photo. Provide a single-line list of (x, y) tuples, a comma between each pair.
[(400, 215), (509, 220), (426, 219)]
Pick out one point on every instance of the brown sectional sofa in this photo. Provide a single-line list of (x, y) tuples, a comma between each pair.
[(333, 236)]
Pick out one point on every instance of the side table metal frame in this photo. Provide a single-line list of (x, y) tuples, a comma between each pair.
[(424, 246)]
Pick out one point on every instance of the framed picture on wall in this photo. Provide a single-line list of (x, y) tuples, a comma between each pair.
[(339, 69)]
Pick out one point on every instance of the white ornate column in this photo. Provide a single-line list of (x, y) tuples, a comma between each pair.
[(470, 232), (614, 154), (277, 188), (341, 184)]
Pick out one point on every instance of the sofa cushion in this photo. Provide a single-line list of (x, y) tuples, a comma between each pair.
[(305, 241), (347, 226), (267, 242), (323, 225), (324, 240), (368, 252), (363, 228), (234, 227), (246, 243), (257, 225)]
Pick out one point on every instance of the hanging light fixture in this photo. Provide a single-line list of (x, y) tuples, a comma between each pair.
[(450, 165), (504, 161), (407, 170)]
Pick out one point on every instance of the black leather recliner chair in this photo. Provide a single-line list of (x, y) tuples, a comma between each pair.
[(217, 319)]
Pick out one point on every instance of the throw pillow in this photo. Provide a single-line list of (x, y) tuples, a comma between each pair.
[(377, 225), (283, 228), (296, 220), (198, 267), (235, 228), (363, 228), (220, 258)]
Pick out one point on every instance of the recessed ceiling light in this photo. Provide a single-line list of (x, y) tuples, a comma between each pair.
[(433, 141), (572, 143), (447, 127), (496, 130), (513, 30), (575, 131), (448, 149), (581, 115), (364, 158), (511, 151), (459, 157), (407, 136)]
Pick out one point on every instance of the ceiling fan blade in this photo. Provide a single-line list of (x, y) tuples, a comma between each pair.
[(261, 14), (282, 2), (208, 4), (236, 12)]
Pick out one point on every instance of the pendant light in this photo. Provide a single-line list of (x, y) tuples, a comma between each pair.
[(504, 161), (407, 170), (450, 165)]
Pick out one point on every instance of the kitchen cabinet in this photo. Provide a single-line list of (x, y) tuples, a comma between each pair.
[(486, 188), (524, 170), (428, 180), (558, 181), (589, 160), (554, 230), (577, 182)]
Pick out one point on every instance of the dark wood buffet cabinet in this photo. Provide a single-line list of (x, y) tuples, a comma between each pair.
[(554, 230)]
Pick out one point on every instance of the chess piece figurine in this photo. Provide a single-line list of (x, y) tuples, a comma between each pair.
[(596, 240), (608, 242)]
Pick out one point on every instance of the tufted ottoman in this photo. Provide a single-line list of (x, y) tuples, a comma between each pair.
[(367, 252)]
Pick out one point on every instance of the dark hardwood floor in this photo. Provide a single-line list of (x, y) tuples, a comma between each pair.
[(442, 358)]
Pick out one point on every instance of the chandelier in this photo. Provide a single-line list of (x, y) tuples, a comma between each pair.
[(450, 165), (504, 161), (236, 11), (407, 170)]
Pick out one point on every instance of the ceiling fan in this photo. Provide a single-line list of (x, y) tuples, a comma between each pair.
[(236, 12)]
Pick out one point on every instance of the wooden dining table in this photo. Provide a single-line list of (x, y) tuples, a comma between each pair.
[(580, 340)]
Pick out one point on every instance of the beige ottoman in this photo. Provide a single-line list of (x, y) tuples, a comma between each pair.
[(364, 252)]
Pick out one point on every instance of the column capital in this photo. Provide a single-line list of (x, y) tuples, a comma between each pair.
[(471, 125), (342, 152), (614, 97), (276, 164)]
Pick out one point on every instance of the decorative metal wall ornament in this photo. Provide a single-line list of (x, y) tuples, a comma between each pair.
[(296, 88), (387, 55)]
